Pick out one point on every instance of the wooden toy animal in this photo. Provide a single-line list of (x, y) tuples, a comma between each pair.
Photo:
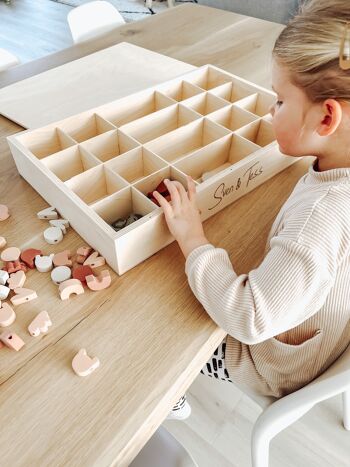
[(83, 365), (40, 324)]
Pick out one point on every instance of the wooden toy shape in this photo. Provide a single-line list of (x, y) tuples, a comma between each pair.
[(40, 324), (4, 292), (62, 224), (44, 263), (94, 260), (100, 282), (10, 254), (16, 280), (83, 365), (7, 315), (82, 253), (70, 286), (53, 235), (28, 256), (80, 273), (11, 340), (48, 213), (2, 242), (14, 266), (62, 259), (4, 212), (61, 274), (23, 296), (4, 276)]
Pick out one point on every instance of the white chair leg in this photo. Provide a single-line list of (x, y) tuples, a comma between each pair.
[(346, 409), (260, 446)]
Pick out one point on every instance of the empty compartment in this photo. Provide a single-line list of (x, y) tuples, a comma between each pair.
[(181, 91), (109, 145), (133, 107), (147, 128), (46, 141), (136, 164), (209, 161), (187, 139), (70, 162), (205, 103), (232, 117), (95, 184), (259, 132), (121, 205), (85, 126), (258, 104), (234, 91), (208, 78)]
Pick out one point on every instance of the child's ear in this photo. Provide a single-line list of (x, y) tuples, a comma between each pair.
[(331, 117)]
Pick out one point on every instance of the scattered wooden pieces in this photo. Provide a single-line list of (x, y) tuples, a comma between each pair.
[(62, 224), (82, 253), (10, 254), (4, 212), (48, 213), (53, 235), (80, 273), (11, 340), (100, 282), (71, 286), (62, 258), (14, 266), (7, 315), (16, 280), (28, 256), (94, 260), (83, 365), (40, 324), (4, 276), (61, 274), (44, 263), (4, 292), (2, 242), (23, 296)]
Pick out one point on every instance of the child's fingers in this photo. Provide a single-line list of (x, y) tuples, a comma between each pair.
[(168, 211), (182, 191), (191, 188), (175, 195)]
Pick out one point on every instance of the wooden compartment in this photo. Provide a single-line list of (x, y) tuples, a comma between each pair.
[(128, 146), (205, 103)]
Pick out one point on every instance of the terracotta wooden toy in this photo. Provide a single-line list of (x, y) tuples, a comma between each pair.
[(28, 256), (82, 253), (62, 224), (100, 282), (14, 266), (11, 340), (4, 212), (40, 324), (4, 292), (83, 365), (80, 273), (44, 263), (62, 259), (16, 280), (2, 242), (7, 315), (23, 296), (94, 260), (61, 274), (53, 235), (71, 286), (48, 213), (4, 276)]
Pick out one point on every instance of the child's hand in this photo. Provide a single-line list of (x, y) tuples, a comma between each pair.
[(182, 215)]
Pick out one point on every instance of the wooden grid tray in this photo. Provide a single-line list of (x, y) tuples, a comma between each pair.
[(99, 165)]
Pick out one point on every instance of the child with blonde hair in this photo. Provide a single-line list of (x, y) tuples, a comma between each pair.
[(287, 320)]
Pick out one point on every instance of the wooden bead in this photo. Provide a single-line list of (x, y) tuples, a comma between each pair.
[(61, 274), (53, 235), (4, 276), (80, 273), (44, 263), (2, 242), (28, 256), (82, 253), (40, 324), (23, 296), (48, 213), (7, 315), (83, 365), (94, 260), (11, 340), (10, 254), (71, 286), (62, 258), (4, 212), (4, 292), (16, 280), (100, 282)]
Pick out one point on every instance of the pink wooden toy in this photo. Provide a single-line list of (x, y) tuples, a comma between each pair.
[(11, 340), (100, 282), (80, 272), (70, 286), (82, 253), (10, 254), (94, 260), (48, 213), (28, 256), (2, 242), (83, 365), (4, 212), (16, 280), (7, 315), (23, 296), (62, 259), (40, 324)]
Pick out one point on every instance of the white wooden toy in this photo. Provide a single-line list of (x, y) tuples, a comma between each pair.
[(40, 324), (16, 280), (53, 235), (61, 274), (7, 315), (62, 224), (2, 242), (44, 263), (23, 296), (100, 282), (120, 151), (4, 276), (10, 254), (4, 212), (62, 259), (94, 260), (48, 213), (71, 286), (4, 292), (83, 365), (11, 340)]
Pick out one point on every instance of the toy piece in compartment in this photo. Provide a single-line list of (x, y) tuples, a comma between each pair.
[(159, 123), (109, 145), (95, 184), (181, 90), (136, 164), (133, 107), (208, 78), (259, 132), (209, 161), (84, 126), (183, 141), (232, 117), (70, 162), (258, 103), (122, 205), (205, 103), (45, 141)]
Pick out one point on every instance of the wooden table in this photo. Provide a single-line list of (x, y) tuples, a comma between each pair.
[(148, 330)]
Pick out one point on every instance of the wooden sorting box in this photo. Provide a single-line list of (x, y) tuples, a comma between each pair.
[(99, 165)]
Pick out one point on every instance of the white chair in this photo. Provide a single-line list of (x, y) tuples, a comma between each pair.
[(93, 19), (163, 450), (280, 413), (7, 60)]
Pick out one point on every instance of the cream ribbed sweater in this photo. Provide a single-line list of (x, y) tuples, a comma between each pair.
[(288, 319)]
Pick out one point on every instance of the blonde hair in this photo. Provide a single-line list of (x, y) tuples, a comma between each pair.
[(309, 48)]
